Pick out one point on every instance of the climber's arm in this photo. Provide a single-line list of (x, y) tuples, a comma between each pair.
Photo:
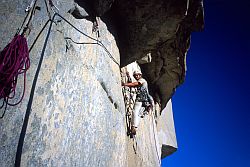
[(132, 84)]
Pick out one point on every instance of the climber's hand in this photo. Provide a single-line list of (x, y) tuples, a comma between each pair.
[(149, 108)]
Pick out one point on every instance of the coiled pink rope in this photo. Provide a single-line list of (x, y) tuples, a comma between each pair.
[(14, 60)]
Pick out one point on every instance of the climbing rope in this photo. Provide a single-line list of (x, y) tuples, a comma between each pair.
[(28, 110), (98, 42), (37, 37), (27, 113), (30, 11), (15, 57), (14, 60), (47, 9), (80, 43)]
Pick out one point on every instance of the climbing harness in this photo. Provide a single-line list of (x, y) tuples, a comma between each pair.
[(129, 100), (130, 97)]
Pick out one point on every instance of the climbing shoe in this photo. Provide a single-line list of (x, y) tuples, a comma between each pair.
[(133, 130)]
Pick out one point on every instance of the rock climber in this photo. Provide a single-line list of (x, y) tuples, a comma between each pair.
[(143, 99)]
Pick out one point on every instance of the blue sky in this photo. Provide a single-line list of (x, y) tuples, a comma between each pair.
[(212, 107)]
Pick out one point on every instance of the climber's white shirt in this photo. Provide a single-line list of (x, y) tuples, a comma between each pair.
[(144, 83)]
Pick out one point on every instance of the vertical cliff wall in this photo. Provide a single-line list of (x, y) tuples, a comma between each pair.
[(77, 115), (166, 131)]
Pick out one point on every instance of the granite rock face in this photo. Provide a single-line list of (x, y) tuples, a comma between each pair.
[(166, 131), (159, 27), (168, 68), (78, 114)]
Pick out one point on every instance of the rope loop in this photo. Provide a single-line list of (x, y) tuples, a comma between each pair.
[(14, 60)]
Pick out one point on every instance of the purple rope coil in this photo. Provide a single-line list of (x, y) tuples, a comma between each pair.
[(14, 60)]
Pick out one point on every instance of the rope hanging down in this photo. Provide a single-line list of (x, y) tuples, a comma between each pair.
[(14, 60), (28, 110), (20, 59)]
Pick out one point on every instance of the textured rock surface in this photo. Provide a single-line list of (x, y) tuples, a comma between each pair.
[(168, 67), (77, 116), (144, 150), (166, 131), (160, 27), (146, 24)]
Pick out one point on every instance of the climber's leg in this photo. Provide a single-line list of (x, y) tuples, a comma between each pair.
[(136, 114)]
